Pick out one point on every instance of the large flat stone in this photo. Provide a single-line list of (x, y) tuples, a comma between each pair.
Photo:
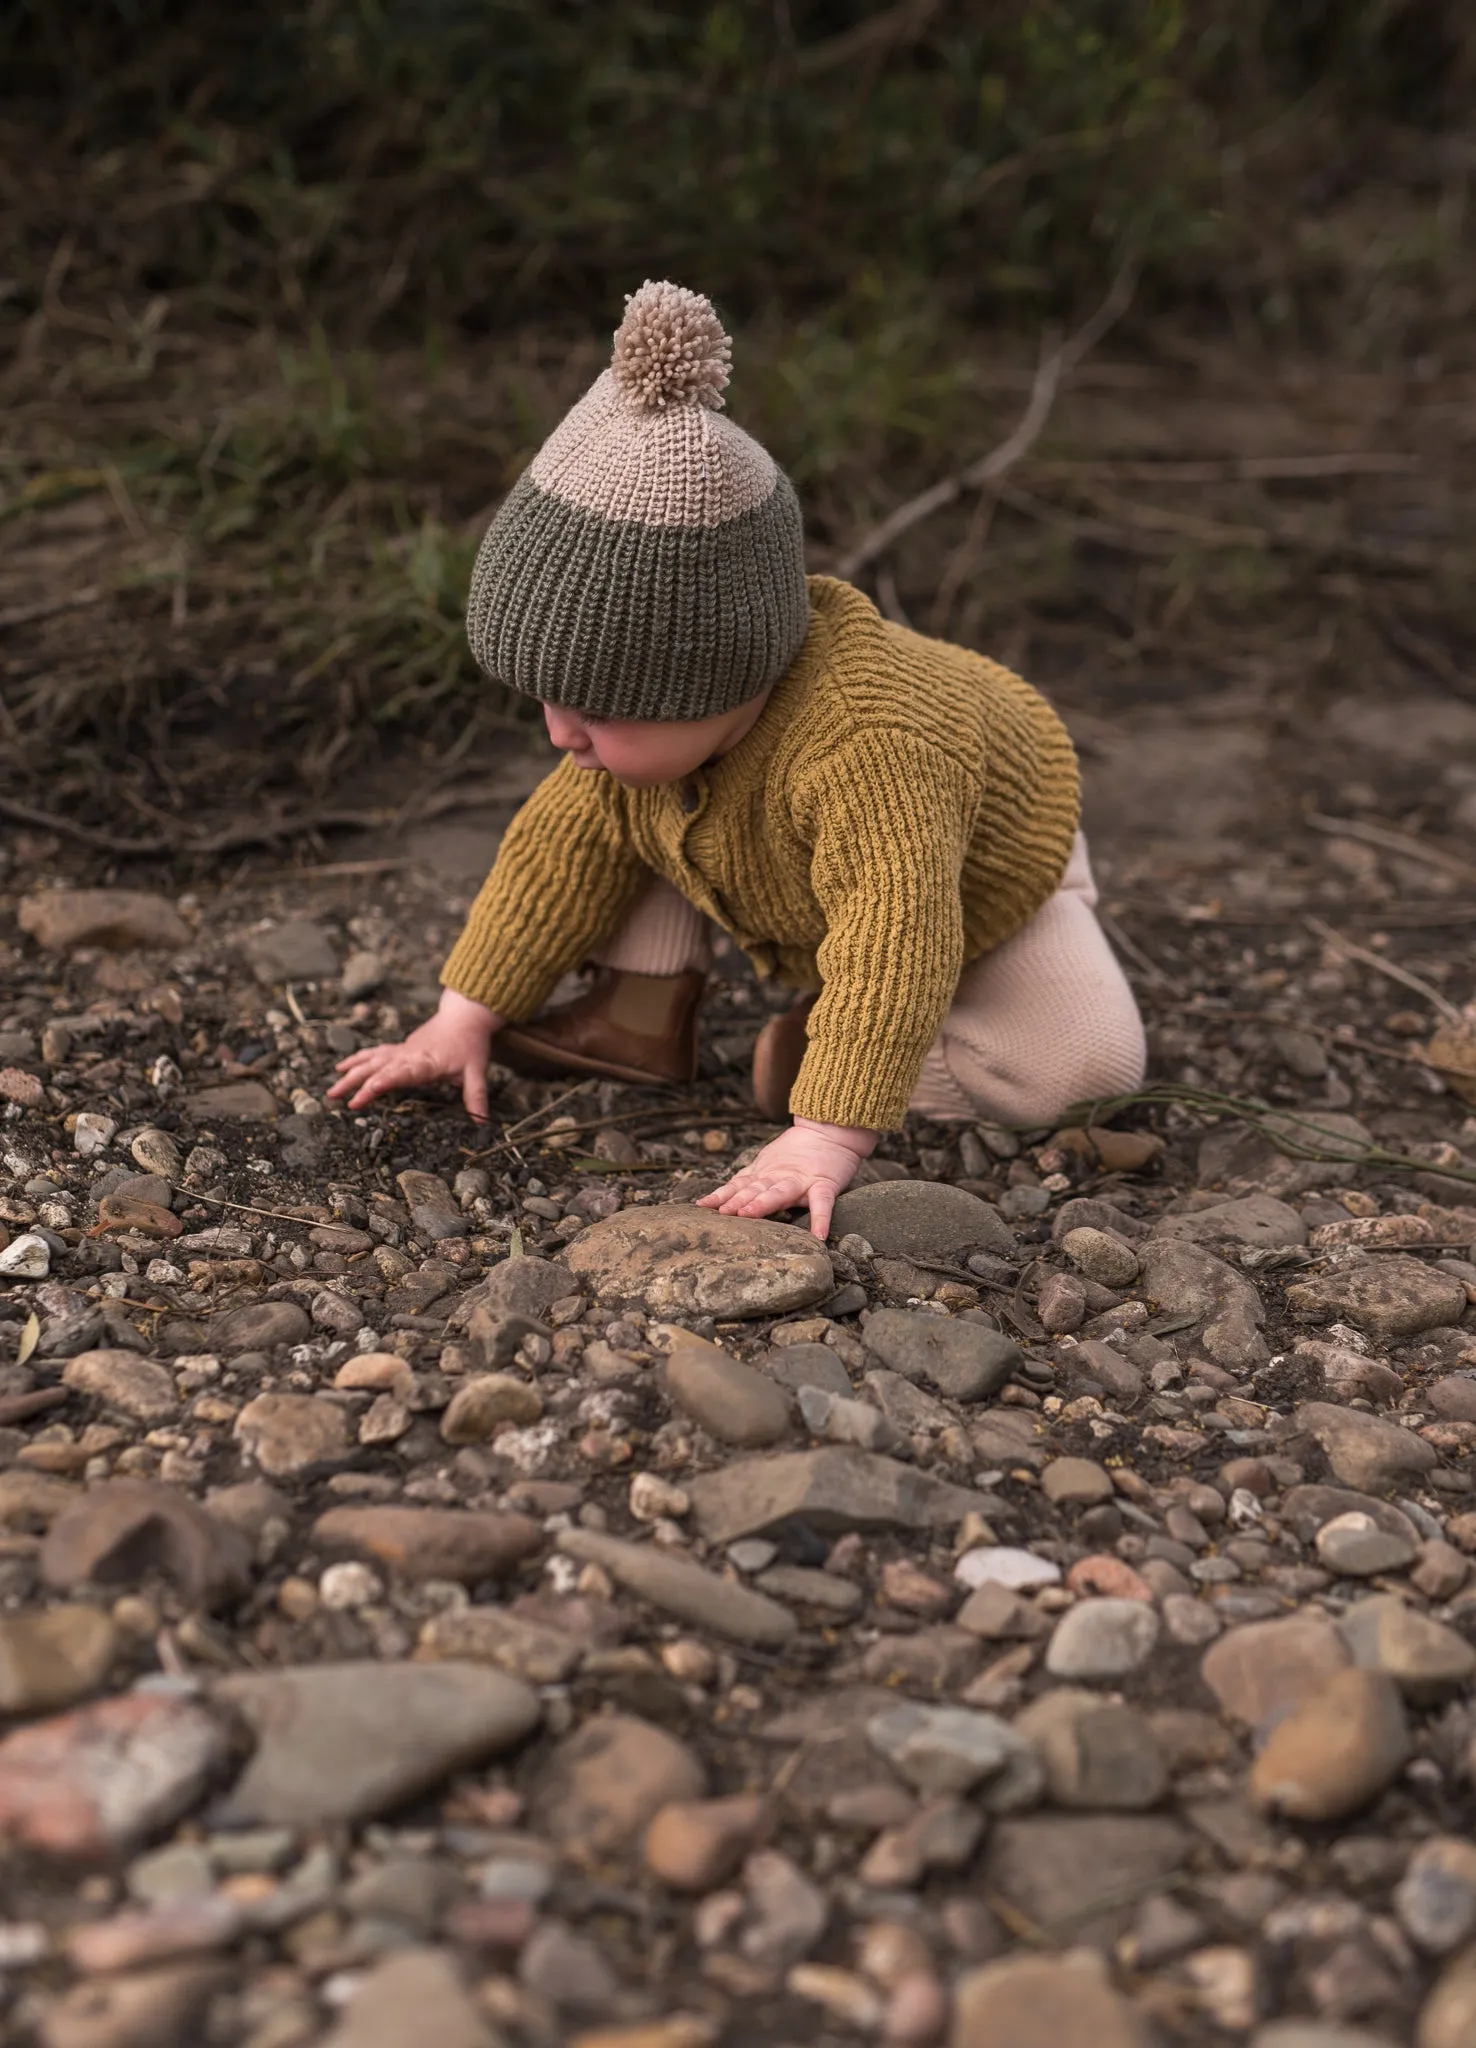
[(1254, 1220), (832, 1489), (1185, 1280), (1084, 1871), (343, 1742), (1364, 1451), (677, 1259), (1390, 1296), (59, 919), (965, 1361)]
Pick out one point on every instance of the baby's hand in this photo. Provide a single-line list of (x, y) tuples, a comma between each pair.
[(454, 1045), (811, 1164)]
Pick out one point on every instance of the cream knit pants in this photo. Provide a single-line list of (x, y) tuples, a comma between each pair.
[(1044, 1021)]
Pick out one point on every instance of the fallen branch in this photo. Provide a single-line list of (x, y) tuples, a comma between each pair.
[(1402, 975), (1389, 841), (47, 608), (1056, 364)]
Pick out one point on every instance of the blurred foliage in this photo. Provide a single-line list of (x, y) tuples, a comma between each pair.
[(475, 163), (307, 284)]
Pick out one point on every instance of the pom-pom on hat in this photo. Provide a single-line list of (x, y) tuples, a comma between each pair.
[(649, 563)]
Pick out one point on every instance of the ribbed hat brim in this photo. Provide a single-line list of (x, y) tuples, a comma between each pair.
[(618, 619)]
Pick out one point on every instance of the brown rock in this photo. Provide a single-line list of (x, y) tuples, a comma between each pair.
[(290, 1434), (1425, 1659), (101, 1780), (481, 1405), (1448, 2016), (1264, 1669), (160, 2008), (1057, 2001), (122, 1380), (1075, 1482), (432, 1543), (1389, 1297), (697, 1844), (491, 1635), (836, 1488), (1096, 1755), (413, 1994), (1364, 1451), (123, 919), (603, 1785), (730, 1400), (1336, 1751), (122, 1530), (676, 1259), (1053, 1868), (53, 1659), (234, 1102)]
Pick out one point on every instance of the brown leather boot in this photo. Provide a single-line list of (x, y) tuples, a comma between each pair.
[(778, 1053), (629, 1027)]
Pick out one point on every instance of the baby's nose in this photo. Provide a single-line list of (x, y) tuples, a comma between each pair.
[(564, 728)]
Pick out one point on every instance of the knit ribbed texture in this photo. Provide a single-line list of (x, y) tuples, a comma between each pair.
[(650, 563), (1045, 1021), (899, 808)]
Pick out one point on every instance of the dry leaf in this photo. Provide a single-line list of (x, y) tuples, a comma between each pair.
[(126, 1212), (30, 1338)]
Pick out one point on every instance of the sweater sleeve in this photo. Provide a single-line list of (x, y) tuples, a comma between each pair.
[(564, 877), (891, 821)]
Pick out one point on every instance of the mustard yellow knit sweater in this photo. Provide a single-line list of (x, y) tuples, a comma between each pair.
[(901, 807)]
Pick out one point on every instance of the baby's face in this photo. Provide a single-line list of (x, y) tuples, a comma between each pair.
[(642, 752)]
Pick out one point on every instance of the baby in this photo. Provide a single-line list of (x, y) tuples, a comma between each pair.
[(884, 823)]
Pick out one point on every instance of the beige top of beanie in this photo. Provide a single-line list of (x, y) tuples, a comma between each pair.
[(647, 442)]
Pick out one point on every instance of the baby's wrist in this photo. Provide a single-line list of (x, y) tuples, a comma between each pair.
[(466, 1009), (862, 1142)]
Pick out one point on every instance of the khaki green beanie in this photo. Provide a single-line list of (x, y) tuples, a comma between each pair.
[(650, 561)]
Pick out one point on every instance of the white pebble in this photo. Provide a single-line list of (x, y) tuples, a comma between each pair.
[(1002, 1565), (27, 1258), (92, 1134), (345, 1586)]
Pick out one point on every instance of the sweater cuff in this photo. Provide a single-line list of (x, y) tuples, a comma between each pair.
[(515, 988), (861, 1091)]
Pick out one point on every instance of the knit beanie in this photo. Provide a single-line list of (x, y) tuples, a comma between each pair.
[(649, 563)]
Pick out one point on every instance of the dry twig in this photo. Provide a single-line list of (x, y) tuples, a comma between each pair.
[(1056, 364), (1402, 975), (1389, 841)]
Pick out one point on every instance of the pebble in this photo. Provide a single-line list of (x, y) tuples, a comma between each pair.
[(831, 1489), (295, 950), (1441, 1571), (1076, 1482), (674, 1259), (1060, 1868), (101, 1780), (1263, 1670), (1096, 1755), (156, 1152), (1448, 2016), (848, 1998), (26, 1257), (123, 1529), (414, 1994), (289, 1435), (1388, 1297), (122, 919), (26, 1089), (804, 1587), (185, 1926), (566, 1968), (92, 1134), (1184, 1280), (492, 1635), (53, 1659), (964, 1361), (481, 1405), (1427, 1660), (1316, 2034), (1099, 1256), (599, 1789), (1056, 2001), (842, 1421), (952, 1749), (916, 2012), (788, 1912), (730, 1400), (1436, 1897), (654, 1499), (809, 1365), (1061, 1305), (260, 1326), (1355, 1545), (1101, 1639), (1256, 1220), (338, 1742), (122, 1380), (1108, 1575), (680, 1587), (695, 1845), (1336, 1751), (162, 2007), (911, 1219), (1000, 1565), (1364, 1451)]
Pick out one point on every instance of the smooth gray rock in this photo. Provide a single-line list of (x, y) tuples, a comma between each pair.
[(1364, 1451), (297, 950), (917, 1219), (1389, 1296), (414, 1994), (1058, 1869), (344, 1742), (1184, 1280), (259, 1327), (731, 1401), (1258, 1220), (965, 1361), (678, 1586), (1102, 1638), (951, 1749), (836, 1488)]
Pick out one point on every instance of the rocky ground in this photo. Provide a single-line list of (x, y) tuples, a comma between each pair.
[(451, 1588)]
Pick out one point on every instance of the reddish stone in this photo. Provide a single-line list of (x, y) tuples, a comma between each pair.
[(101, 1780), (1108, 1575)]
